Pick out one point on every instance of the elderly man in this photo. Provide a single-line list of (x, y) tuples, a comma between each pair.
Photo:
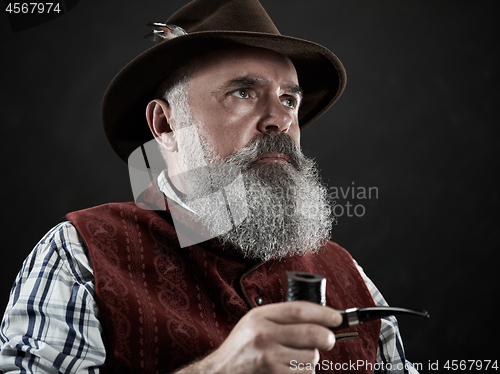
[(190, 278)]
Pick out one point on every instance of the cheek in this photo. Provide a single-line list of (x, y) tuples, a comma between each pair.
[(229, 142), (227, 132), (294, 132), (225, 141), (219, 140)]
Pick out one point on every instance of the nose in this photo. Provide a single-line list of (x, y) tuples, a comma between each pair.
[(275, 117)]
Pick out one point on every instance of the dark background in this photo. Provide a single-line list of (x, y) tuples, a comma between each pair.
[(418, 121)]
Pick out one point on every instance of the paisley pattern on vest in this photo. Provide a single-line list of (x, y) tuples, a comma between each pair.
[(162, 306)]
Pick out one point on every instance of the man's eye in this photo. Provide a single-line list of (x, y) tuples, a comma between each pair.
[(241, 94), (290, 103)]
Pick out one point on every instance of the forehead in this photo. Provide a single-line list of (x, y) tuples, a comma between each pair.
[(224, 64)]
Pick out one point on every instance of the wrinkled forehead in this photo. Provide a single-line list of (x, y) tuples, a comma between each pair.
[(245, 59)]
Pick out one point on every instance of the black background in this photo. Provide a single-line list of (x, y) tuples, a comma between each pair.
[(418, 121)]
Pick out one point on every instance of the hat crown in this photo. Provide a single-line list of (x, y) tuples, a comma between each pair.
[(223, 15)]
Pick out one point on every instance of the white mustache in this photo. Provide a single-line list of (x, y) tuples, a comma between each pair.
[(264, 144)]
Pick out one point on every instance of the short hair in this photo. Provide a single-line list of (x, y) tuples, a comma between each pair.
[(174, 89)]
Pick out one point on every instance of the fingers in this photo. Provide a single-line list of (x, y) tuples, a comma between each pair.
[(293, 324), (305, 336), (301, 312), (298, 336)]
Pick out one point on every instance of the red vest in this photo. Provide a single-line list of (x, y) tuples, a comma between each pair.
[(162, 306)]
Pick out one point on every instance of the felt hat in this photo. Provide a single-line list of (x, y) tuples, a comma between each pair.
[(211, 25)]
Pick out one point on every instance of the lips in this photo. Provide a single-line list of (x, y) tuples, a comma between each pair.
[(274, 157)]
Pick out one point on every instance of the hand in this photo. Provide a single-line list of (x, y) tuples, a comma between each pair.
[(267, 338)]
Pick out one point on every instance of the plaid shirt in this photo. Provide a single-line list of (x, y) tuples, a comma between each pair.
[(51, 323)]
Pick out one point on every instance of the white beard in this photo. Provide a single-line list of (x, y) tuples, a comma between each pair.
[(288, 211)]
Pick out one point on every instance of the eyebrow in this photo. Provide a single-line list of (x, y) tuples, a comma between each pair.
[(244, 81), (249, 81), (296, 90)]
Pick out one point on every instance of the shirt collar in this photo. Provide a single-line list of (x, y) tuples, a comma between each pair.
[(168, 190)]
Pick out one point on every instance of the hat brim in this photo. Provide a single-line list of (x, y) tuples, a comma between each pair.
[(321, 76)]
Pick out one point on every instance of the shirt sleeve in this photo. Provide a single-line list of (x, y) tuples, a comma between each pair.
[(391, 357), (51, 322)]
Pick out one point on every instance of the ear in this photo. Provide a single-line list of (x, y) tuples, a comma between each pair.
[(161, 123)]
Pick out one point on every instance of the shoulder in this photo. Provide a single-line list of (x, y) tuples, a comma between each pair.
[(334, 246), (337, 259), (58, 261), (333, 251), (112, 211), (62, 246), (110, 219), (342, 257), (103, 209), (103, 218)]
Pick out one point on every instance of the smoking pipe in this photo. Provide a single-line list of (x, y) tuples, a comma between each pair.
[(312, 287)]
